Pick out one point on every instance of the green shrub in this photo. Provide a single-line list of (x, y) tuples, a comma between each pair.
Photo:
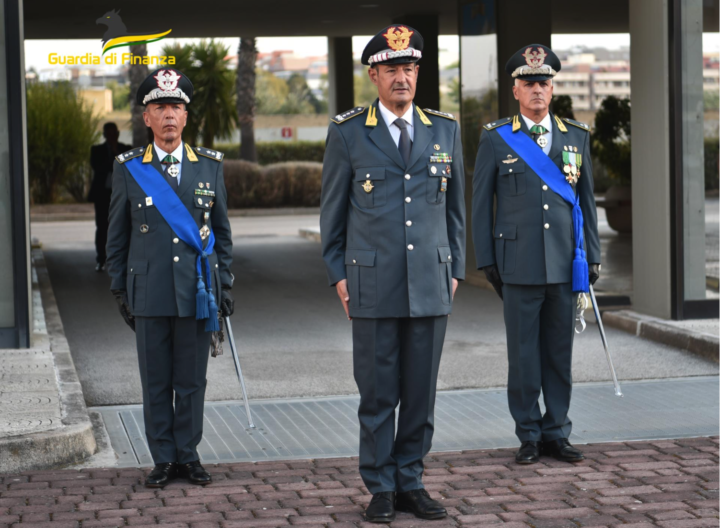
[(611, 138), (279, 151), (712, 151), (61, 128), (287, 184)]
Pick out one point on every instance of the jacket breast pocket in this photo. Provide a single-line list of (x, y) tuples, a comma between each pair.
[(505, 247), (362, 277), (445, 274), (145, 217), (137, 284), (512, 178), (369, 187), (439, 175)]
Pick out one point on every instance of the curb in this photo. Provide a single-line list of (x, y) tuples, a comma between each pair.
[(661, 331), (311, 233), (74, 441)]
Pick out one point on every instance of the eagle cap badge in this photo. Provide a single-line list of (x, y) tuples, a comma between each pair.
[(535, 59), (398, 39), (167, 80)]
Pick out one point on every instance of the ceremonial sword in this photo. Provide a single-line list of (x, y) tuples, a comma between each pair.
[(236, 358), (618, 392)]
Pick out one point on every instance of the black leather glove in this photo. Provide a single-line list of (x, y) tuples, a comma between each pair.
[(493, 276), (122, 300), (227, 304), (593, 273)]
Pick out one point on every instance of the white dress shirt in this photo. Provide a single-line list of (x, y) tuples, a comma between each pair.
[(177, 154), (390, 118), (547, 123)]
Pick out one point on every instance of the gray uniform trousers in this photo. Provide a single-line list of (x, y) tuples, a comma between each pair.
[(539, 320), (396, 360), (173, 355)]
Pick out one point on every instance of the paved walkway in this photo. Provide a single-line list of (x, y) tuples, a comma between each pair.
[(671, 484)]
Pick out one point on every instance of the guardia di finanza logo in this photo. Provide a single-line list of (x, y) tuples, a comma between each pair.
[(117, 36)]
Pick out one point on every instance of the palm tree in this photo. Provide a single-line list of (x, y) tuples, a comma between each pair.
[(214, 97), (245, 91), (137, 73)]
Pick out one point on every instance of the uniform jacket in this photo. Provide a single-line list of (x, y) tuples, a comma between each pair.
[(401, 244), (145, 257), (530, 237), (101, 161)]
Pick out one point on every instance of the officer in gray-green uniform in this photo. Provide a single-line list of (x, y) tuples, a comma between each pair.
[(528, 248), (393, 238), (169, 254)]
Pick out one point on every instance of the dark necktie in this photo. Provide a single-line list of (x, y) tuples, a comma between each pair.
[(405, 143), (167, 162)]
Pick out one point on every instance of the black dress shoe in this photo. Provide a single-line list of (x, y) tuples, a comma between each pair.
[(381, 508), (419, 503), (562, 450), (161, 475), (195, 473), (99, 267), (529, 453)]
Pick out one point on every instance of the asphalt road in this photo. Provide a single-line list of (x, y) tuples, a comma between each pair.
[(291, 331)]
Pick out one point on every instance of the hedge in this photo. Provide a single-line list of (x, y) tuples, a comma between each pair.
[(287, 184), (278, 151)]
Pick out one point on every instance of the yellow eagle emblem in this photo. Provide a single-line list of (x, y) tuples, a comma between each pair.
[(535, 59), (398, 39)]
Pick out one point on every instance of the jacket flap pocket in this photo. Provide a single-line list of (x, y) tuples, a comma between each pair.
[(439, 170), (370, 173), (445, 254), (512, 168), (360, 257), (505, 231), (137, 267)]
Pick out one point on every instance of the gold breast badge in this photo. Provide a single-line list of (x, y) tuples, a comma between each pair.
[(368, 186)]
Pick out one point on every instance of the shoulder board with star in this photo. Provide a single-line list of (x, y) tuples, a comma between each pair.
[(209, 153), (439, 113), (130, 154), (498, 123), (345, 116), (577, 124)]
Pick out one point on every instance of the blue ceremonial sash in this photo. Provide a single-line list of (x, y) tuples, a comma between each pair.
[(550, 173), (181, 221)]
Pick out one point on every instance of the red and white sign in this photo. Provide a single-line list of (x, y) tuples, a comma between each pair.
[(286, 133)]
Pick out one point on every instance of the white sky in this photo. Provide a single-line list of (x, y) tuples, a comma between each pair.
[(36, 51)]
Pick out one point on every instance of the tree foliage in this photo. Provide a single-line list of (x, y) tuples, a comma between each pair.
[(611, 138), (365, 91), (61, 128), (120, 95), (562, 106), (475, 112), (212, 111)]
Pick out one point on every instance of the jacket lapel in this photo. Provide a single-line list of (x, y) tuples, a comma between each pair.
[(558, 140), (380, 135), (188, 174), (422, 138)]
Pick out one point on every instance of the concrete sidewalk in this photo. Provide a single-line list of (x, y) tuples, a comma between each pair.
[(44, 419), (671, 484)]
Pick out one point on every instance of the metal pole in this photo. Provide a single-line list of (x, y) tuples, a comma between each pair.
[(618, 392), (236, 358)]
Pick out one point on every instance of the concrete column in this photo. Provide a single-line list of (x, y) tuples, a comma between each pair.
[(341, 82), (650, 157), (519, 23), (694, 155), (15, 281), (428, 86)]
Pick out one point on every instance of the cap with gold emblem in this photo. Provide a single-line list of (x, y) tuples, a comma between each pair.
[(396, 44), (165, 86), (533, 63)]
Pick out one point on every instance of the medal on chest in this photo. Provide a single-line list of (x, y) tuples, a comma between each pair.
[(572, 161), (173, 170), (542, 141)]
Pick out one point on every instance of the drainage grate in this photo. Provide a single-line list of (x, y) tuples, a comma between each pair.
[(468, 419)]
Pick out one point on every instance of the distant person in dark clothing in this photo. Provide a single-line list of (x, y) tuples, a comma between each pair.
[(101, 161)]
